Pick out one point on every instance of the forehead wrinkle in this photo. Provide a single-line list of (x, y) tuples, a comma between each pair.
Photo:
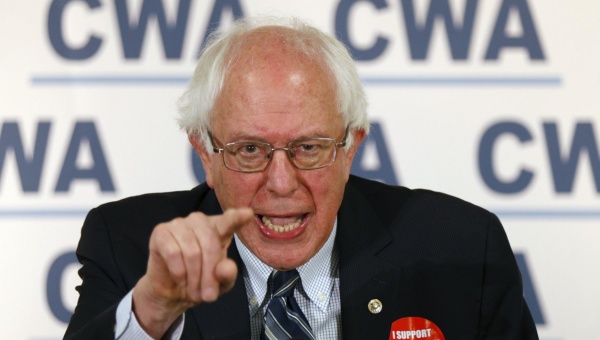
[(244, 136), (279, 51), (275, 48), (267, 61), (296, 78)]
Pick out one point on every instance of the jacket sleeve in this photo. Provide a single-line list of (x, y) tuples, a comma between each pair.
[(102, 287), (504, 312)]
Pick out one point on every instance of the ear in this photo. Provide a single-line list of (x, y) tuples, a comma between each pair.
[(205, 157), (358, 136)]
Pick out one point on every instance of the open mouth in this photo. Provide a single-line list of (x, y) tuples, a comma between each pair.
[(282, 227)]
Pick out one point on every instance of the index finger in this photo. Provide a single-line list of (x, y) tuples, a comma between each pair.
[(230, 221)]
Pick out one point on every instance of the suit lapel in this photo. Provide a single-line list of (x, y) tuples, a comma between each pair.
[(364, 276), (228, 317)]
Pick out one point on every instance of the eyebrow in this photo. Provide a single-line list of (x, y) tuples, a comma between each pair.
[(244, 137), (240, 137)]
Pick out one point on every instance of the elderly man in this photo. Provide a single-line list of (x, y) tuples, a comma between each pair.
[(303, 249)]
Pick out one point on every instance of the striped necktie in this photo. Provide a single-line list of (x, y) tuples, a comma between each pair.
[(284, 318)]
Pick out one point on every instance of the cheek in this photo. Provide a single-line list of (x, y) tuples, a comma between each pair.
[(234, 190), (327, 189)]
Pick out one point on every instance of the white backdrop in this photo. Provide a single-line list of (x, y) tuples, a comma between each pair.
[(493, 101)]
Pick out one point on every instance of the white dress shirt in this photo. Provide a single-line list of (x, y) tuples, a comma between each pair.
[(318, 293)]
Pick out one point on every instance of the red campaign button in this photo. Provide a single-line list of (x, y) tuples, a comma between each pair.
[(414, 327)]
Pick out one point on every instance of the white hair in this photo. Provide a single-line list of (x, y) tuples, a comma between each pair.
[(223, 48)]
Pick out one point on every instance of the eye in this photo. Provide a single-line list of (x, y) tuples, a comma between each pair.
[(249, 149), (310, 147), (307, 147), (246, 149)]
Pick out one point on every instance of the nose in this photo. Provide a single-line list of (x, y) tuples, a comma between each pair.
[(281, 174)]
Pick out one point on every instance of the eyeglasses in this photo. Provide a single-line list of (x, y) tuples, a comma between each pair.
[(304, 153)]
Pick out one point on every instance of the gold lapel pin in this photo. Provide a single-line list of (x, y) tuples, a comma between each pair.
[(375, 306)]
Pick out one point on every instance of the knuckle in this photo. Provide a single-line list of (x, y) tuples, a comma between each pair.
[(193, 253), (197, 218), (178, 273), (171, 254), (159, 232)]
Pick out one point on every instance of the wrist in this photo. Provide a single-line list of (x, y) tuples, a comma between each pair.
[(154, 315)]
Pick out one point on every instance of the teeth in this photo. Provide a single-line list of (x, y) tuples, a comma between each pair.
[(281, 228)]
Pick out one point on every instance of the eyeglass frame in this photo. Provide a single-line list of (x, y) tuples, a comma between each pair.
[(287, 148)]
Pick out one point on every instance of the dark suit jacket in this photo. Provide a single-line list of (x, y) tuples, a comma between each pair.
[(419, 252)]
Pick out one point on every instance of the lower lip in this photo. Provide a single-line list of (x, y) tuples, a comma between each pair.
[(286, 235)]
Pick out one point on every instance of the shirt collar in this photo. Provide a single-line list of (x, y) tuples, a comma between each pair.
[(317, 275)]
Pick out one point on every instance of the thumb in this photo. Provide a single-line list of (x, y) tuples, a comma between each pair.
[(231, 221)]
